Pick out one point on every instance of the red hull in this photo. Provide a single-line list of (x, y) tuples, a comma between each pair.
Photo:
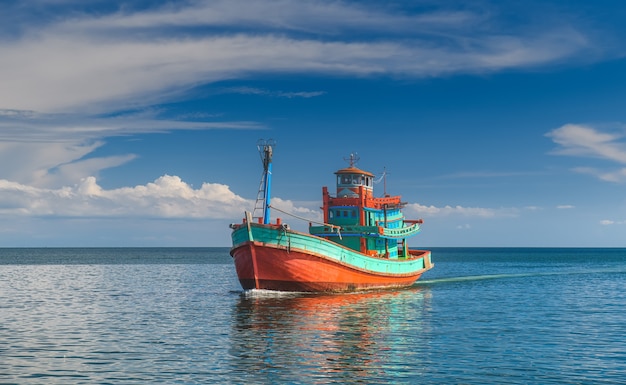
[(262, 267)]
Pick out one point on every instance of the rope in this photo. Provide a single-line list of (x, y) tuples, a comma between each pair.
[(304, 219), (377, 181), (333, 227)]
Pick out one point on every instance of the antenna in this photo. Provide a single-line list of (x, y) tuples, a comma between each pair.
[(265, 148), (352, 159)]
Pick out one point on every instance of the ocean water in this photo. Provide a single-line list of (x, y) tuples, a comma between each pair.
[(179, 316)]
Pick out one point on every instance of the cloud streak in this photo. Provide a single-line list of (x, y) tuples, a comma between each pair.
[(141, 57), (582, 140), (277, 94), (54, 150), (610, 222), (586, 141)]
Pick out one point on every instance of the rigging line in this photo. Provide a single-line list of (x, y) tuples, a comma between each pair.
[(380, 178), (306, 219)]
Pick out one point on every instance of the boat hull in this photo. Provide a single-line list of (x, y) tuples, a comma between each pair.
[(318, 265)]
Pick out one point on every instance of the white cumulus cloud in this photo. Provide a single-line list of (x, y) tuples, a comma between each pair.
[(166, 197)]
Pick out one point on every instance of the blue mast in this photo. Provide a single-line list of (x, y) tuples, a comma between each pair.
[(266, 157)]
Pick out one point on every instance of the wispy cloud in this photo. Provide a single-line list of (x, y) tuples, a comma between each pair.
[(609, 222), (278, 94), (32, 126), (583, 140), (587, 141), (54, 150), (141, 56), (565, 207), (616, 176), (327, 17)]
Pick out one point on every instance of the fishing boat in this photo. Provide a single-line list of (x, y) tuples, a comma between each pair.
[(361, 243)]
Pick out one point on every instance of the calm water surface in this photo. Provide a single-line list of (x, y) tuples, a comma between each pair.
[(179, 316)]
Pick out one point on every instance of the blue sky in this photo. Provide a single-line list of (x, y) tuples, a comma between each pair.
[(135, 123)]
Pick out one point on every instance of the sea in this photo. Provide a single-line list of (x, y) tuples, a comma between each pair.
[(179, 316)]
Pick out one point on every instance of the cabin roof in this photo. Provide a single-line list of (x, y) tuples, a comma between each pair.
[(353, 170)]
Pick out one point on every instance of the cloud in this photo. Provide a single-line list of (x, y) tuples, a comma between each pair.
[(581, 140), (68, 68), (283, 15), (54, 150), (105, 61), (587, 141), (479, 212), (565, 207), (166, 197), (32, 126), (279, 94), (608, 222), (616, 176)]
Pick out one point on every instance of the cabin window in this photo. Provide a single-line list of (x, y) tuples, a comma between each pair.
[(350, 179), (330, 214), (353, 213), (354, 180), (345, 213)]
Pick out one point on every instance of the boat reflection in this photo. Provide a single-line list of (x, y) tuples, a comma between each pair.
[(281, 337)]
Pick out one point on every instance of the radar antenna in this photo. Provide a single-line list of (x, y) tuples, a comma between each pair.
[(352, 159)]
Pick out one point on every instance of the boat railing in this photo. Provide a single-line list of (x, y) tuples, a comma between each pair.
[(401, 232)]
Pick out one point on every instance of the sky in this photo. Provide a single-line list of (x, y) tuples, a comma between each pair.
[(135, 123)]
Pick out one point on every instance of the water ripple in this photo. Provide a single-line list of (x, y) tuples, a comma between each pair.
[(510, 319)]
